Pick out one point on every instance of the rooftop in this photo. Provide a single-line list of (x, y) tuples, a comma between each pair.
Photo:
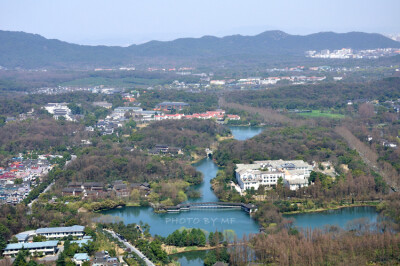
[(81, 256), (32, 245), (74, 228), (173, 103)]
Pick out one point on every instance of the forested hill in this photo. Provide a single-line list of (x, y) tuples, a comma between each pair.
[(332, 95), (25, 50)]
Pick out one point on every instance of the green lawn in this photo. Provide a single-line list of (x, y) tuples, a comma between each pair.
[(318, 113)]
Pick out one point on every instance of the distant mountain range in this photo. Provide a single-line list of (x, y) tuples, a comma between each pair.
[(25, 50)]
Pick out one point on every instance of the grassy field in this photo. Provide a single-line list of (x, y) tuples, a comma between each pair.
[(318, 113)]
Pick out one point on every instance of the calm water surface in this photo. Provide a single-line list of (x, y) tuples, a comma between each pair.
[(210, 220), (238, 221), (192, 258), (243, 133), (340, 217)]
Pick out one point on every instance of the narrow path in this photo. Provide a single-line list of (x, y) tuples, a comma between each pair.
[(370, 157), (268, 115), (131, 247), (73, 157)]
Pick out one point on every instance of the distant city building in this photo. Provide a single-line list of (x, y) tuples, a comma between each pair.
[(217, 82), (103, 104), (171, 105), (347, 53), (59, 110)]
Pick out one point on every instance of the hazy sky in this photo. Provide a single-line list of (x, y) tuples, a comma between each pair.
[(123, 22)]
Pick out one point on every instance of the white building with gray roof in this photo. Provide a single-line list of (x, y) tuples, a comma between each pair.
[(47, 248), (60, 232), (294, 173)]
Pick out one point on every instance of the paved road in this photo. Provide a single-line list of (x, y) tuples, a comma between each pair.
[(132, 248), (44, 191), (73, 157)]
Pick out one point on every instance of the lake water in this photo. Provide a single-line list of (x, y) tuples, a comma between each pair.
[(243, 133), (229, 219), (192, 258), (340, 217), (210, 220)]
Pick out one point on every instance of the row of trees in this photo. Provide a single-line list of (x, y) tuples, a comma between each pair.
[(187, 237), (133, 234), (318, 248), (187, 134), (319, 96)]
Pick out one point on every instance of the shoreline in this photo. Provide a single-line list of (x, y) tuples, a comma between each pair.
[(328, 209), (191, 249)]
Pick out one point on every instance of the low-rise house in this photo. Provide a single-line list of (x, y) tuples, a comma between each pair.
[(388, 144), (80, 258), (141, 186), (60, 232), (121, 189), (103, 104), (167, 106), (71, 191), (233, 117), (22, 237), (93, 186), (75, 184), (102, 258), (164, 149), (47, 248)]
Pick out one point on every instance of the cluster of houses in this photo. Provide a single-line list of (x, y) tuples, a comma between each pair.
[(101, 258), (21, 117), (168, 106), (103, 104), (49, 247), (294, 174), (17, 179), (52, 245), (117, 118), (120, 115), (87, 189), (347, 53), (257, 81), (130, 97), (384, 142), (219, 115), (123, 189), (394, 105), (99, 189), (165, 149)]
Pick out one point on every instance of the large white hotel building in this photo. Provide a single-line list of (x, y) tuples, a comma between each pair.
[(294, 173)]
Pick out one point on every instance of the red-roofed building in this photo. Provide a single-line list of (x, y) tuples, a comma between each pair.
[(233, 117)]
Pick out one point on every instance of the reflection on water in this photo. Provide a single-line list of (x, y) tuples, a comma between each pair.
[(340, 217), (227, 219), (243, 133), (210, 220), (192, 258)]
